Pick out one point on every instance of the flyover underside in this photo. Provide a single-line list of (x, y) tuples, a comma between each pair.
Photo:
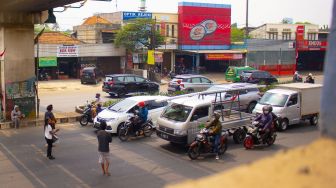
[(32, 5)]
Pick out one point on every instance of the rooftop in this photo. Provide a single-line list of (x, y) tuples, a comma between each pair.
[(55, 37), (95, 20)]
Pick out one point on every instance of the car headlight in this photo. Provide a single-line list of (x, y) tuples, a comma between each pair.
[(180, 132)]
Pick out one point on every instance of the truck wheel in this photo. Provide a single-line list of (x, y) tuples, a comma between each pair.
[(239, 136), (283, 125), (314, 120)]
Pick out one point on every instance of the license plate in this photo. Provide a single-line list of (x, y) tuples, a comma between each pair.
[(164, 136)]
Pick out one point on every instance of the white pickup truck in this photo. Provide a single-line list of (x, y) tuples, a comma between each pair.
[(292, 103)]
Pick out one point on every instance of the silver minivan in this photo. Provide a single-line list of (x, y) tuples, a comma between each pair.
[(190, 83)]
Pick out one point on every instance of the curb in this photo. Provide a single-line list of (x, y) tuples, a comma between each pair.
[(39, 122)]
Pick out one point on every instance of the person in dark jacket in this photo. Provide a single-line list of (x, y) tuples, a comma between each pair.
[(310, 79), (104, 140), (143, 116), (265, 120), (216, 130), (49, 117)]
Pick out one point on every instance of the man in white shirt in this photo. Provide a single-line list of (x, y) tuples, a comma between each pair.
[(48, 134)]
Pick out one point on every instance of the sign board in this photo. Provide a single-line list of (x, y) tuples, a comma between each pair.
[(150, 59), (300, 32), (223, 56), (134, 15), (136, 58), (67, 51), (48, 62), (204, 26), (158, 57)]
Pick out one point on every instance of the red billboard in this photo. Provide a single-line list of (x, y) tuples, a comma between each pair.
[(204, 26)]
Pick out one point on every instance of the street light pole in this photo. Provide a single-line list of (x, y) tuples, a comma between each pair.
[(246, 29)]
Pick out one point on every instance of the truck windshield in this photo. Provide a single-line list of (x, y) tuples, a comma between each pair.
[(274, 99), (177, 112)]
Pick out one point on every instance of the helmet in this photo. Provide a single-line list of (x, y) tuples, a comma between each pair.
[(216, 115), (97, 95), (310, 74), (267, 109), (141, 104)]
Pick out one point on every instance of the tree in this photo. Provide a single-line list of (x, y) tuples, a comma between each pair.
[(237, 35), (139, 32)]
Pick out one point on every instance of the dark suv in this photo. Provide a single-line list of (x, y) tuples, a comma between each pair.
[(122, 84), (257, 77), (91, 75)]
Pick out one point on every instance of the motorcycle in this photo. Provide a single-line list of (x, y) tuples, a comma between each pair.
[(127, 129), (43, 77), (87, 116), (203, 143), (253, 137)]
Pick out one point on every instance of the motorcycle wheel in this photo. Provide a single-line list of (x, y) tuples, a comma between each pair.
[(148, 130), (238, 136), (84, 120), (193, 152), (270, 140), (222, 148), (248, 142), (123, 133)]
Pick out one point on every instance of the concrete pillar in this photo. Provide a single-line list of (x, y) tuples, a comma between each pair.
[(328, 104), (17, 64)]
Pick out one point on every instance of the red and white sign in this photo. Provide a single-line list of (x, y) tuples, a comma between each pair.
[(204, 26), (67, 51), (223, 56)]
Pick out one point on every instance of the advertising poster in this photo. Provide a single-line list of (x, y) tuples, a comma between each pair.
[(204, 26), (151, 59)]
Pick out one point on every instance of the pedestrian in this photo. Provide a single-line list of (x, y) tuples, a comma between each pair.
[(49, 117), (104, 140), (49, 134), (16, 116)]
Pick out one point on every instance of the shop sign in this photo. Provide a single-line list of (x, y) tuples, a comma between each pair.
[(134, 15), (67, 51), (311, 45), (223, 56), (136, 58), (48, 62), (158, 57), (150, 59), (300, 30)]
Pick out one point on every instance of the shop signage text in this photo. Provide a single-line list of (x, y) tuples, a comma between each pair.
[(48, 62), (134, 15), (67, 51), (223, 56)]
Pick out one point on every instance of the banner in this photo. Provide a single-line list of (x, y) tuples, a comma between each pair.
[(158, 57), (136, 58), (134, 15), (204, 26), (48, 62), (223, 56), (67, 51), (150, 59)]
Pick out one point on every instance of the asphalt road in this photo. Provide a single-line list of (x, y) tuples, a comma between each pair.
[(143, 162)]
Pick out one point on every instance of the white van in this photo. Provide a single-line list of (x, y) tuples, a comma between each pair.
[(182, 118)]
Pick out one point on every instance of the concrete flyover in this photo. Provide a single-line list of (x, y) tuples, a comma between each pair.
[(17, 63)]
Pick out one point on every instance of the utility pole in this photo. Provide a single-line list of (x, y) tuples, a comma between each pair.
[(246, 29)]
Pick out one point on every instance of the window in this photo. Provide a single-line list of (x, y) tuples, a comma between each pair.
[(205, 80), (293, 100), (173, 31), (139, 79), (187, 80), (286, 36), (154, 105), (167, 30), (311, 36), (273, 35), (200, 113), (196, 80), (129, 79), (119, 79)]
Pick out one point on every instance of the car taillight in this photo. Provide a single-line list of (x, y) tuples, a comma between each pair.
[(110, 83)]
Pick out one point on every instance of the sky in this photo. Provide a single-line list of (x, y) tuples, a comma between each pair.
[(261, 11)]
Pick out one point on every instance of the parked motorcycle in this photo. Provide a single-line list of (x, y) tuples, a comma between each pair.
[(204, 144), (127, 129), (43, 77), (87, 116), (253, 137)]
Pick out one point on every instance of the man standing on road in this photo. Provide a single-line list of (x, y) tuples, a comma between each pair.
[(104, 139)]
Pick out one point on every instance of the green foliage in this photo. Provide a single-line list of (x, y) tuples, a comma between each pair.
[(139, 31), (237, 35)]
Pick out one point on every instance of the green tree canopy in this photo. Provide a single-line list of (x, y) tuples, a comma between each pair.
[(237, 35), (139, 32)]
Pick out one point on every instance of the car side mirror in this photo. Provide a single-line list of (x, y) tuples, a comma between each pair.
[(194, 118)]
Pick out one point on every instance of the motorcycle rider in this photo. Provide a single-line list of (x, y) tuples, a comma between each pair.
[(142, 116), (297, 77), (216, 130), (310, 79), (265, 121)]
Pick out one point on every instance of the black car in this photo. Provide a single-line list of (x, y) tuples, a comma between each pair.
[(257, 77), (91, 75), (122, 84)]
